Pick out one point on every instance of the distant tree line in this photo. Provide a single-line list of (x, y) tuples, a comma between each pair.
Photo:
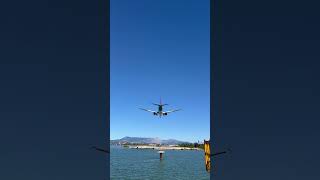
[(192, 145)]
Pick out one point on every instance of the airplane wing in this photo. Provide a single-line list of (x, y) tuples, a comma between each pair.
[(148, 110), (172, 111)]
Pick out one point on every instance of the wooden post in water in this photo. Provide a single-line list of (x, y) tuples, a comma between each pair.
[(161, 154)]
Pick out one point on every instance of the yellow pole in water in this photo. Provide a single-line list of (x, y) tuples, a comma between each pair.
[(207, 155)]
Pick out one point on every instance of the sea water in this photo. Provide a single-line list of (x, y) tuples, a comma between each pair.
[(145, 164)]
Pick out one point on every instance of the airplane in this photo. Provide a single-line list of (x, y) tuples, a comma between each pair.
[(160, 111)]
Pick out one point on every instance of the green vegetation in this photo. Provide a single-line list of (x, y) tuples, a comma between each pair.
[(192, 145)]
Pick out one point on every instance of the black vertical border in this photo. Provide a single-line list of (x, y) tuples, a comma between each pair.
[(211, 79), (108, 85)]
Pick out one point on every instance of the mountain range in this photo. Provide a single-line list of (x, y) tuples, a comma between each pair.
[(142, 140)]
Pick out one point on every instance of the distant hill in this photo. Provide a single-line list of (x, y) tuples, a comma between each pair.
[(141, 140)]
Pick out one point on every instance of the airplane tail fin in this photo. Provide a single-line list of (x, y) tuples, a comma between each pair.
[(160, 104)]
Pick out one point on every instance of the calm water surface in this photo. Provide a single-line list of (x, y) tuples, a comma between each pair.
[(144, 164)]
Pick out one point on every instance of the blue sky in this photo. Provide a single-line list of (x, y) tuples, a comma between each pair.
[(160, 49)]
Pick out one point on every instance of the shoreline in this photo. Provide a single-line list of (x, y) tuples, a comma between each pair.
[(161, 147)]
